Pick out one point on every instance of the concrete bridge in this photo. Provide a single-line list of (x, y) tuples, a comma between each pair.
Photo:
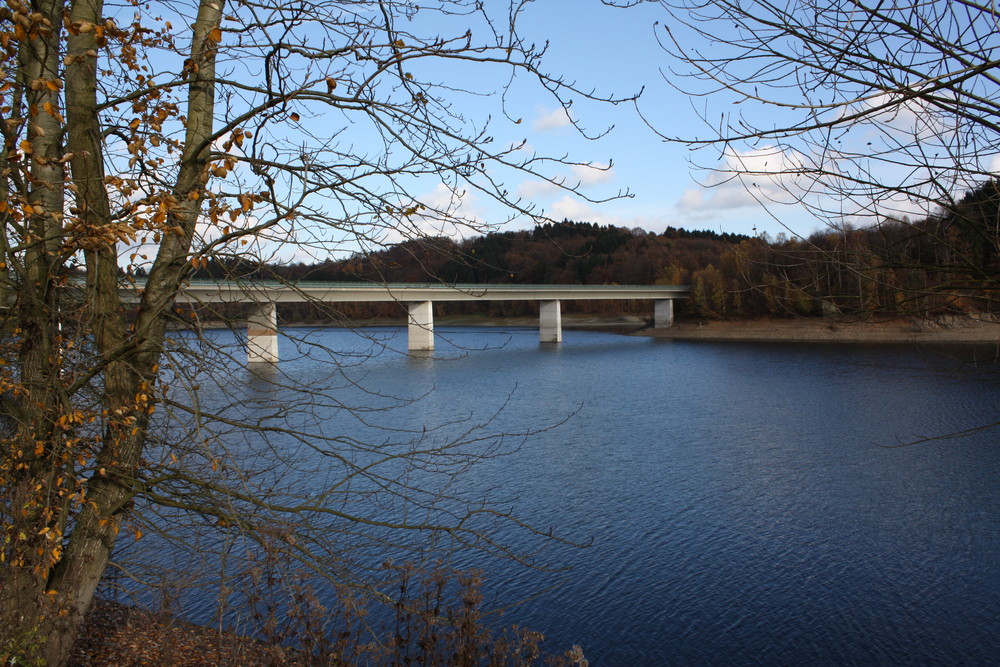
[(262, 325)]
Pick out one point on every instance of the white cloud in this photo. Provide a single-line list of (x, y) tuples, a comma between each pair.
[(453, 204), (581, 175), (571, 208), (750, 182), (910, 117), (522, 147), (550, 119), (445, 212), (535, 188), (593, 173), (744, 179)]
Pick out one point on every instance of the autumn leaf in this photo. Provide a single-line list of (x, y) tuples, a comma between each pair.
[(52, 111)]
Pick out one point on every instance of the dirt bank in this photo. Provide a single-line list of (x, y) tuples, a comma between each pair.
[(952, 330)]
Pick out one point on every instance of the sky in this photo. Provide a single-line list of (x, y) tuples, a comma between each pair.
[(615, 52)]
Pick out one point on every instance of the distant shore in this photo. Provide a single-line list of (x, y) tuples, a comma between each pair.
[(799, 330), (951, 330)]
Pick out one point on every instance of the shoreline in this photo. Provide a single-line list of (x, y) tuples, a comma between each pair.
[(954, 330), (895, 331)]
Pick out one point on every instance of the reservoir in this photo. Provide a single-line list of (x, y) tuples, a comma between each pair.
[(738, 503)]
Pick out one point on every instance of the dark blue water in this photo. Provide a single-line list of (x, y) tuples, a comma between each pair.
[(740, 503)]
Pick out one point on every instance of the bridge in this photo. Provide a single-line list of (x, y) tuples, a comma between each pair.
[(418, 298)]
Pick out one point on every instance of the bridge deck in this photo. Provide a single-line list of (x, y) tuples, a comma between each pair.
[(262, 324), (267, 292)]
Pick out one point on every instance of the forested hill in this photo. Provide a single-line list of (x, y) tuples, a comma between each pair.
[(565, 253), (945, 264)]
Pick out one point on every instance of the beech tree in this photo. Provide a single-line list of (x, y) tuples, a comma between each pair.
[(862, 112), (159, 136)]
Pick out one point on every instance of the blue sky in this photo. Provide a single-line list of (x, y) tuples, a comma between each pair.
[(615, 52), (611, 51)]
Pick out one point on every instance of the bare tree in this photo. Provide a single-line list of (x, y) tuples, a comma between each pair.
[(165, 134), (865, 114), (861, 111)]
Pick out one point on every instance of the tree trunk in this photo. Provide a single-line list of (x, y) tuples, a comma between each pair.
[(45, 600)]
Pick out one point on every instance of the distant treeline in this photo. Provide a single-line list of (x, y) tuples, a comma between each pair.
[(563, 253), (946, 263)]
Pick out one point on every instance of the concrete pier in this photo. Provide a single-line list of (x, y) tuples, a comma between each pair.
[(663, 313), (262, 334), (418, 297), (420, 330), (549, 321)]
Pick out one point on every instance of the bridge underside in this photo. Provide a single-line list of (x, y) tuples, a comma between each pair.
[(262, 326)]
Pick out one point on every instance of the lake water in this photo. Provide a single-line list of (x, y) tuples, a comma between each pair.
[(741, 503)]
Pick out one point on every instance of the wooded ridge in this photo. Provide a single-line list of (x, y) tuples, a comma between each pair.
[(944, 264)]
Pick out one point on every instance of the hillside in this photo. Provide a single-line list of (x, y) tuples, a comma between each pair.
[(943, 265), (564, 253)]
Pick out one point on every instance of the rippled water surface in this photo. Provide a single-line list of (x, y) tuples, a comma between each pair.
[(742, 503)]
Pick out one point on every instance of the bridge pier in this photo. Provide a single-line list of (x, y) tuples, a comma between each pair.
[(549, 321), (262, 325), (262, 334), (663, 313), (420, 327)]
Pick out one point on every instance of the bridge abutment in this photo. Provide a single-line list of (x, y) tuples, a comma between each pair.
[(420, 328), (262, 334), (549, 321)]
